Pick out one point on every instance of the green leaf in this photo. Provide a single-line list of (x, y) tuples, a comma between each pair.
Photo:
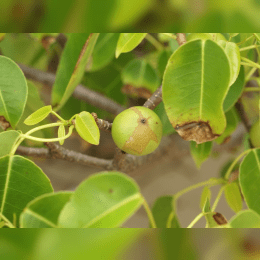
[(233, 54), (206, 194), (233, 197), (211, 223), (61, 133), (7, 140), (43, 212), (104, 50), (128, 41), (257, 36), (20, 182), (245, 219), (249, 179), (104, 200), (167, 127), (72, 65), (200, 152), (232, 121), (38, 115), (161, 210), (87, 128), (13, 93), (2, 36), (193, 93), (162, 61), (140, 74)]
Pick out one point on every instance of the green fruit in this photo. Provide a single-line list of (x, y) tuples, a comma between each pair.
[(255, 134), (137, 130), (205, 36)]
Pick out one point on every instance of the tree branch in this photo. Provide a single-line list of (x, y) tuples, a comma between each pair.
[(181, 38), (155, 99), (81, 92)]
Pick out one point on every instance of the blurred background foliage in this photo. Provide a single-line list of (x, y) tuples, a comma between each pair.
[(130, 16)]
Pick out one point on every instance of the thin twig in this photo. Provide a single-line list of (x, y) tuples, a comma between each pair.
[(155, 99), (181, 38), (81, 92), (102, 124)]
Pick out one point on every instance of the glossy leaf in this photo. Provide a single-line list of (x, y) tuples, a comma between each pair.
[(139, 73), (20, 182), (161, 210), (104, 200), (233, 54), (206, 194), (232, 121), (200, 152), (193, 93), (13, 93), (104, 50), (87, 128), (128, 41), (245, 219), (167, 127), (7, 140), (61, 133), (233, 196), (72, 65), (249, 179), (43, 212), (38, 115)]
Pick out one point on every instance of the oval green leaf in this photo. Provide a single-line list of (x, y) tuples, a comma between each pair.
[(20, 182), (161, 210), (72, 65), (140, 74), (249, 179), (104, 200), (13, 93), (245, 219), (43, 212), (128, 41), (200, 152), (104, 50), (233, 196), (193, 93), (233, 54), (206, 194), (7, 140), (87, 128), (61, 133), (38, 115)]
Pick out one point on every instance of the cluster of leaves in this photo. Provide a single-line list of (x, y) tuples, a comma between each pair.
[(197, 103)]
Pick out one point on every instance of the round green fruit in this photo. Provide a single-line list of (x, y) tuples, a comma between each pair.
[(255, 134), (137, 130)]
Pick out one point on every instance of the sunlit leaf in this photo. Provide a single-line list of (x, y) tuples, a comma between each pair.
[(61, 133), (128, 41), (193, 93), (87, 128), (233, 196), (104, 200), (43, 212), (7, 140), (13, 93), (38, 115), (245, 219), (20, 182)]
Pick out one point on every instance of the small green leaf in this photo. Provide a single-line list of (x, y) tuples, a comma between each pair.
[(161, 210), (206, 194), (7, 141), (104, 200), (200, 152), (38, 115), (233, 54), (245, 219), (249, 179), (233, 34), (128, 41), (233, 196), (13, 93), (162, 61), (87, 128), (72, 65), (211, 223), (139, 73), (21, 181), (61, 133), (43, 211)]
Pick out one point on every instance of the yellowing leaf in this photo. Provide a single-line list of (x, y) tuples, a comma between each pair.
[(38, 115)]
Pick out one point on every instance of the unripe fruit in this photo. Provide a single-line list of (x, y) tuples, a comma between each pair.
[(255, 134), (137, 130)]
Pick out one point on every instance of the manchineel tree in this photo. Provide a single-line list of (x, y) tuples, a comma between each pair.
[(193, 82)]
